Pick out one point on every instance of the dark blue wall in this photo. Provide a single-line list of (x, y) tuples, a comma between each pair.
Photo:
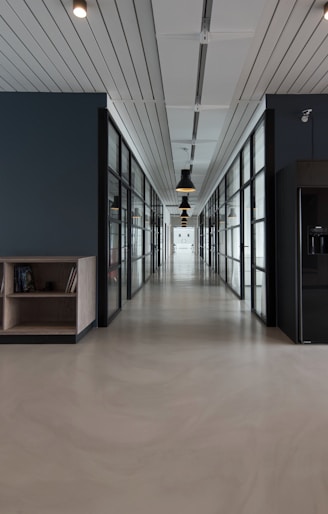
[(295, 140), (49, 173)]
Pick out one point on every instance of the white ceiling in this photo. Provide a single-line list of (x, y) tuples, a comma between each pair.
[(145, 54)]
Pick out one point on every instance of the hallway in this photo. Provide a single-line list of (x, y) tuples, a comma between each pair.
[(185, 404)]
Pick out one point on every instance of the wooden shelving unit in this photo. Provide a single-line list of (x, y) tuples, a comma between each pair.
[(48, 314)]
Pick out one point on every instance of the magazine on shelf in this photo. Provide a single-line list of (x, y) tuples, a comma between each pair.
[(23, 279), (70, 280)]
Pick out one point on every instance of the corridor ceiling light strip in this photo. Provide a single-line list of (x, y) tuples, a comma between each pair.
[(80, 8)]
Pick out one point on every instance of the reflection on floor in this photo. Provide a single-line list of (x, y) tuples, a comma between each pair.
[(186, 404)]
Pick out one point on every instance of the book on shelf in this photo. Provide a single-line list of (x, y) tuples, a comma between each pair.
[(23, 279), (71, 279)]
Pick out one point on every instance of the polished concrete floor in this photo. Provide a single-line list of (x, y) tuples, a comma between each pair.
[(185, 404)]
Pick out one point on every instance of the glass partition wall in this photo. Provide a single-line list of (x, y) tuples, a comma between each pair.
[(130, 223), (236, 224)]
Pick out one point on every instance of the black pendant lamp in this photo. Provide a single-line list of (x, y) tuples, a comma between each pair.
[(116, 204), (184, 215), (185, 185), (184, 205)]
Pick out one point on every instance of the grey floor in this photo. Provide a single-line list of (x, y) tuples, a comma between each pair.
[(185, 404)]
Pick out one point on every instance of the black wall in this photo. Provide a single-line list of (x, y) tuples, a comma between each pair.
[(295, 140), (49, 173)]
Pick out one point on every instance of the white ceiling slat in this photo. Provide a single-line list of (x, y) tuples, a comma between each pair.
[(76, 75), (115, 30), (40, 36), (314, 68), (23, 84), (21, 58), (5, 85), (134, 42), (290, 66), (31, 51), (273, 33), (9, 77), (105, 78), (279, 54), (144, 12), (64, 20)]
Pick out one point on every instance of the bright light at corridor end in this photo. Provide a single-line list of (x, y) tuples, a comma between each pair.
[(80, 8), (325, 11)]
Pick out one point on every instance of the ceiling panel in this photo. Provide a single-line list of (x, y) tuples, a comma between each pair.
[(175, 17), (210, 123), (236, 15), (180, 123), (179, 59), (223, 62)]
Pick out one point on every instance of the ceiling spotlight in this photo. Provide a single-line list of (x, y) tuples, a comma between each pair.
[(80, 8), (325, 11), (185, 185), (305, 115), (184, 205)]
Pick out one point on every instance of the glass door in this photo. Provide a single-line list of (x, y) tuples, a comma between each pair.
[(246, 248)]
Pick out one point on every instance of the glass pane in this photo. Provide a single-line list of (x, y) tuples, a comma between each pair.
[(113, 291), (124, 280), (222, 218), (221, 193), (229, 243), (147, 217), (259, 149), (222, 246), (233, 275), (113, 148), (124, 205), (136, 278), (236, 243), (147, 192), (136, 242), (137, 178), (147, 241), (113, 243), (137, 210), (233, 181), (247, 245), (259, 244), (113, 196), (222, 267), (260, 294), (259, 208), (233, 211), (147, 266), (125, 163), (246, 162)]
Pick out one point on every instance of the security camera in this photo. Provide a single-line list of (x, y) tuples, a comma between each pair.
[(305, 115)]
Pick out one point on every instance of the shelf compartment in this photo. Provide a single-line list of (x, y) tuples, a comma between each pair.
[(46, 328), (42, 294), (23, 309)]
